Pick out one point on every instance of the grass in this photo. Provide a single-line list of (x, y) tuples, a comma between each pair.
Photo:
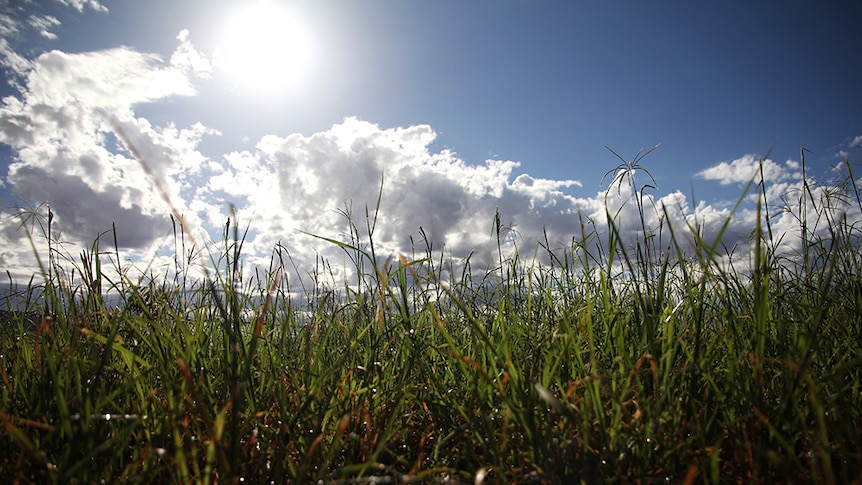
[(651, 363)]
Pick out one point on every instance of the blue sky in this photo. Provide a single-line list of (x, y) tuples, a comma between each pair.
[(437, 98)]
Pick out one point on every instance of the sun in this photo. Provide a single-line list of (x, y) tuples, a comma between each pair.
[(265, 47)]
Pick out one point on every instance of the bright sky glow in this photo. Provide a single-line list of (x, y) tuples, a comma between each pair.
[(264, 46), (293, 113)]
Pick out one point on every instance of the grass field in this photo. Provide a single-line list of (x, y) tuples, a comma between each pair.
[(650, 364)]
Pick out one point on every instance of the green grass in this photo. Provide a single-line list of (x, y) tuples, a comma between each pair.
[(654, 363)]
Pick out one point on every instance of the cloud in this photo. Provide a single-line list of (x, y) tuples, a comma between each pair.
[(80, 5), (188, 58), (8, 25), (293, 184), (63, 130), (10, 60), (747, 168), (43, 24), (105, 80), (67, 154), (10, 31), (328, 184)]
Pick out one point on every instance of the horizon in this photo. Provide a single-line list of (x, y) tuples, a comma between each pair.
[(518, 109)]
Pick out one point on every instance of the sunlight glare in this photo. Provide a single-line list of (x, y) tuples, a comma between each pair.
[(264, 47)]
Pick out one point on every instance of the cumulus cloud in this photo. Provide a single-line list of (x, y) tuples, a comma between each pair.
[(307, 183), (292, 185), (747, 168), (65, 131), (67, 154), (328, 184), (298, 183)]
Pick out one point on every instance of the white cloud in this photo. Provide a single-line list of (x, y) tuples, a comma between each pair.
[(747, 168), (305, 183), (62, 125), (188, 58), (67, 154), (106, 80), (856, 141), (80, 5), (10, 30), (296, 183), (8, 25), (10, 60), (43, 24)]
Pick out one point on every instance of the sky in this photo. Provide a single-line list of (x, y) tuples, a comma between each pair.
[(294, 114)]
